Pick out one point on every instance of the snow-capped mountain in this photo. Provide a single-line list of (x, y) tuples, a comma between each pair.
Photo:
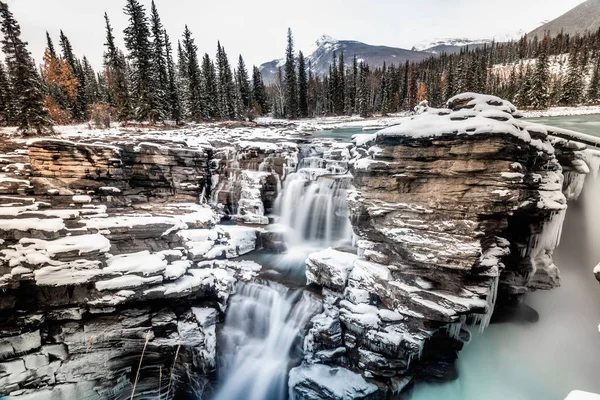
[(321, 54), (454, 45)]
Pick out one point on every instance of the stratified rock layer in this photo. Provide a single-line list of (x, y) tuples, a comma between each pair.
[(455, 210)]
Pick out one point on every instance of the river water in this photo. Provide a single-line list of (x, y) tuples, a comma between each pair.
[(515, 361)]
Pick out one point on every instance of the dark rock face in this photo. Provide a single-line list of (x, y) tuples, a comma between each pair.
[(456, 211), (107, 254)]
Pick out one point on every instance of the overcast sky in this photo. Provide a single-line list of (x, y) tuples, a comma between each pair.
[(257, 28)]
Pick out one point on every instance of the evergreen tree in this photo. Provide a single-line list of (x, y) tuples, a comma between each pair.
[(5, 97), (159, 61), (540, 93), (116, 75), (258, 91), (50, 46), (573, 88), (80, 104), (209, 85), (363, 93), (291, 89), (341, 86), (143, 79), (302, 87), (593, 94), (351, 92), (173, 96), (244, 84), (192, 91), (225, 85), (92, 91), (27, 104)]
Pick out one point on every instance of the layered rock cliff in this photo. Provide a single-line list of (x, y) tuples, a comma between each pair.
[(110, 250), (456, 212)]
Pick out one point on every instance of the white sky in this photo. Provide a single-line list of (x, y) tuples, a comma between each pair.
[(257, 28)]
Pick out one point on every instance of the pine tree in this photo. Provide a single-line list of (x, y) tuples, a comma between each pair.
[(79, 104), (351, 92), (116, 76), (225, 85), (363, 102), (573, 88), (192, 91), (209, 86), (341, 86), (50, 46), (30, 115), (244, 84), (384, 91), (540, 93), (5, 98), (173, 96), (302, 87), (258, 91), (291, 88), (143, 77), (92, 91), (593, 94), (159, 61)]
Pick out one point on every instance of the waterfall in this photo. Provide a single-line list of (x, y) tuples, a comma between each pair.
[(313, 204), (262, 324)]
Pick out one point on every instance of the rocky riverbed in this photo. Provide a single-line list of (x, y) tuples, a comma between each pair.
[(122, 244)]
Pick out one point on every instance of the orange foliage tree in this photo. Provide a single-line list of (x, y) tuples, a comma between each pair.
[(62, 85), (422, 92)]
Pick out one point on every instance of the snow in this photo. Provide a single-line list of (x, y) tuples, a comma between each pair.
[(579, 395), (135, 221), (127, 282), (336, 382), (143, 263), (82, 199), (32, 224)]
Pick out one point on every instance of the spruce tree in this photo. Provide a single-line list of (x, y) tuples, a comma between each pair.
[(173, 96), (116, 76), (192, 91), (225, 85), (244, 83), (540, 93), (302, 87), (341, 86), (159, 61), (573, 88), (50, 46), (5, 98), (92, 91), (27, 106), (209, 87), (363, 93), (79, 107), (593, 94), (258, 91), (145, 93), (291, 88)]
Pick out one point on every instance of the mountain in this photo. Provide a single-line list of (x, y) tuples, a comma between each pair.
[(322, 54), (455, 45), (584, 17), (449, 46)]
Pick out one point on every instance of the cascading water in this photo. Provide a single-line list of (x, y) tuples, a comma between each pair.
[(313, 204), (264, 321), (262, 324)]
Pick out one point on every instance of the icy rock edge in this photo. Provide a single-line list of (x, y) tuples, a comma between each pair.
[(456, 213)]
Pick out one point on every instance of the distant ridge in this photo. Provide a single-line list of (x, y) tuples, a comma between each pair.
[(321, 56), (583, 18)]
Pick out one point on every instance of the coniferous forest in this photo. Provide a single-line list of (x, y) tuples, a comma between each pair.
[(157, 78)]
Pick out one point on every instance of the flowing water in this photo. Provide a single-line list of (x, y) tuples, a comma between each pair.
[(516, 361), (262, 335)]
